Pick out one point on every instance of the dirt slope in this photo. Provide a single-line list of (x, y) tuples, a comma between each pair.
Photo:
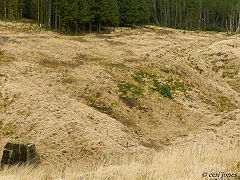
[(87, 96)]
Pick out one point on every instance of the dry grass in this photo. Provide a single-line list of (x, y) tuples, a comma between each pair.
[(27, 27), (4, 58), (235, 84), (58, 64), (127, 92), (177, 163), (114, 43), (6, 101)]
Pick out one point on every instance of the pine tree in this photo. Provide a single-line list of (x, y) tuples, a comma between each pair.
[(128, 12), (92, 14), (68, 14), (106, 13), (84, 13), (143, 12), (2, 9), (193, 10)]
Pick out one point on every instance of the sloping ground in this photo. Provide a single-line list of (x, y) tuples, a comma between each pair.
[(81, 97), (32, 110)]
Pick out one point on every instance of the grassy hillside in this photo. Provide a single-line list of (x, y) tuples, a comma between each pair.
[(132, 92)]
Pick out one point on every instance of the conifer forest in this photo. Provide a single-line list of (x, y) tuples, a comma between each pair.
[(96, 15)]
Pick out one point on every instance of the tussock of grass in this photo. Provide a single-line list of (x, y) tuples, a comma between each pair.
[(1, 52), (5, 59), (235, 84), (225, 104), (4, 102)]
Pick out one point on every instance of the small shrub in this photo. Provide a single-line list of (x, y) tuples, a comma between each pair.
[(165, 91)]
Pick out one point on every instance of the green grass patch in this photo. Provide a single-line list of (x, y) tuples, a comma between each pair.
[(229, 74), (165, 87), (128, 88), (141, 76)]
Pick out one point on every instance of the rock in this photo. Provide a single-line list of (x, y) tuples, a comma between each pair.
[(19, 153)]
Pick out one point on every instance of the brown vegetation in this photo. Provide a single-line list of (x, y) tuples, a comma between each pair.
[(128, 92)]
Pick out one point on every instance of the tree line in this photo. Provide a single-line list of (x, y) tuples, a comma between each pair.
[(88, 15)]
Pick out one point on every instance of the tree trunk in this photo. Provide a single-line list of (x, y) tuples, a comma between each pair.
[(56, 20), (41, 17), (90, 26), (99, 26), (238, 25), (5, 9), (49, 13), (176, 14), (38, 13), (76, 28)]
